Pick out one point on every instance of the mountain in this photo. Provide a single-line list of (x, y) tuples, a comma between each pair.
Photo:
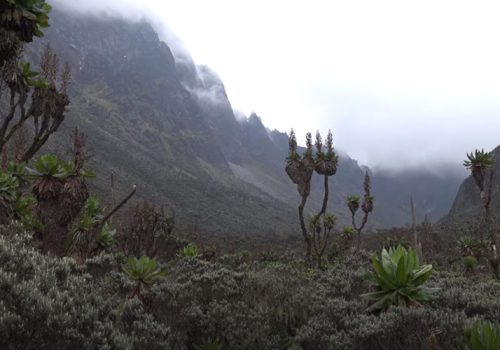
[(432, 194), (467, 205), (164, 123)]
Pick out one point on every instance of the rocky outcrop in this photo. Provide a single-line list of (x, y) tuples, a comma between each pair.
[(467, 205)]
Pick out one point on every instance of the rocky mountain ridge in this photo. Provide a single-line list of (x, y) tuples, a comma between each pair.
[(168, 126)]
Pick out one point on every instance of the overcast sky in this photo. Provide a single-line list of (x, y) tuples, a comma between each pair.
[(400, 83)]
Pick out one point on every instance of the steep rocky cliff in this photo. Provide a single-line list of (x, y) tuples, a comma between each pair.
[(467, 205), (167, 125)]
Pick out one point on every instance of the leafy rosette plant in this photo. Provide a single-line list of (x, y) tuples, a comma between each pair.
[(19, 171), (353, 204), (347, 233), (26, 17), (190, 251), (8, 194), (400, 279), (49, 173), (145, 272), (478, 162), (300, 168), (483, 336), (471, 246), (293, 163), (91, 214), (106, 237), (8, 188), (367, 205), (325, 162)]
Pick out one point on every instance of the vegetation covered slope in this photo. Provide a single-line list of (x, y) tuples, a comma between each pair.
[(167, 125)]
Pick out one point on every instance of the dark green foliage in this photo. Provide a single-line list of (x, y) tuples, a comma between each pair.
[(353, 203), (478, 160), (190, 251), (25, 17), (13, 203), (394, 242), (470, 246), (81, 233), (50, 165), (470, 263), (144, 272), (347, 233), (8, 188), (400, 279), (30, 75), (483, 336)]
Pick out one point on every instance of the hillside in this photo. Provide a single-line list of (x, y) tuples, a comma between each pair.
[(167, 125), (467, 204)]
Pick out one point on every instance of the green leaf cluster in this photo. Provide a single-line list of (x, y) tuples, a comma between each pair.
[(470, 246), (21, 205), (470, 262), (28, 17), (483, 336), (478, 159), (70, 170), (143, 270), (8, 187), (400, 279), (50, 165), (190, 251), (347, 232), (106, 237), (92, 213), (32, 77)]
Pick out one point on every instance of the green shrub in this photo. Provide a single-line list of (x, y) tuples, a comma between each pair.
[(470, 262), (88, 220), (190, 251), (144, 272), (400, 280), (483, 336), (50, 165), (394, 242), (470, 246), (8, 187), (347, 232)]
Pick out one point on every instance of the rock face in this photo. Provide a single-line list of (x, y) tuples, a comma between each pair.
[(166, 125), (467, 205)]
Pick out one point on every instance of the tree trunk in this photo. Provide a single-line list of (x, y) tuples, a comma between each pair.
[(307, 239)]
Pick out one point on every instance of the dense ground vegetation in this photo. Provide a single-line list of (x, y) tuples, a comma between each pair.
[(70, 278), (231, 302)]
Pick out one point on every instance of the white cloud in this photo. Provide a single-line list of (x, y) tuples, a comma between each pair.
[(398, 82)]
